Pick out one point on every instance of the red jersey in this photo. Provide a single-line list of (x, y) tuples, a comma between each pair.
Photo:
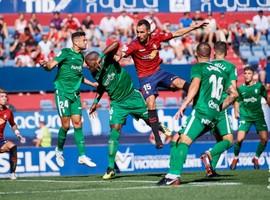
[(146, 56), (5, 115)]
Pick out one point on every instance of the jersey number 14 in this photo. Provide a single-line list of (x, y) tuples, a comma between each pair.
[(217, 87)]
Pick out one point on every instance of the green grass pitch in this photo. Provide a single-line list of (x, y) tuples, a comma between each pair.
[(248, 184)]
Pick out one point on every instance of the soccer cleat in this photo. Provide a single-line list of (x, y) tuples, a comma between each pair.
[(256, 163), (110, 173), (159, 145), (169, 181), (87, 161), (13, 176), (165, 130), (215, 174), (207, 164), (59, 158), (234, 163)]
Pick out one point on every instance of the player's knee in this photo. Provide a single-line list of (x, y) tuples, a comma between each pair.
[(229, 137), (77, 124), (176, 138), (185, 139), (65, 127)]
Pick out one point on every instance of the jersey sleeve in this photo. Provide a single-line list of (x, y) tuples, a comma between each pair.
[(61, 56), (263, 91), (11, 120), (129, 49), (163, 37), (196, 71), (239, 98), (233, 74)]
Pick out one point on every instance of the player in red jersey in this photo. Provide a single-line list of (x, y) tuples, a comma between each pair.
[(145, 53), (6, 115)]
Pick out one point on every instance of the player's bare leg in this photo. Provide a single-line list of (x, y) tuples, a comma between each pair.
[(153, 119), (12, 149), (179, 83)]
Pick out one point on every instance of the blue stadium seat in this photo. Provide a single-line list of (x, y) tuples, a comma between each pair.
[(258, 51), (253, 60), (267, 50), (104, 103), (245, 51)]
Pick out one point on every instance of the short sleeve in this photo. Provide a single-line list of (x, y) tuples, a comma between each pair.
[(263, 91), (128, 49), (61, 56), (163, 37), (239, 98), (196, 71), (233, 74), (11, 120)]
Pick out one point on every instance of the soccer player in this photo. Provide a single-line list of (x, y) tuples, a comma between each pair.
[(145, 52), (250, 112), (125, 99), (6, 115), (206, 88), (222, 128), (67, 95)]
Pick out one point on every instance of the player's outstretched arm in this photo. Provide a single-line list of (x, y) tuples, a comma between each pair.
[(232, 95), (192, 91), (48, 65), (18, 134), (88, 82), (183, 31), (236, 110)]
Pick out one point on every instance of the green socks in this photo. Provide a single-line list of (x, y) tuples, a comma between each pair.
[(237, 147), (260, 149), (62, 134), (220, 147), (214, 160), (79, 140), (178, 157), (113, 146)]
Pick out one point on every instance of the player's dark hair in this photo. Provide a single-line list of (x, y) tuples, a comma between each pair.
[(203, 50), (248, 68), (3, 91), (91, 53), (220, 47), (144, 22), (77, 34)]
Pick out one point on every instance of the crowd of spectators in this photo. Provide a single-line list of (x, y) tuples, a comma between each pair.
[(28, 41)]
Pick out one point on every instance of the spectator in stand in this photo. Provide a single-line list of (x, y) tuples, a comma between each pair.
[(223, 33), (94, 35), (56, 21), (197, 19), (26, 36), (261, 24), (108, 24), (37, 36), (34, 23), (71, 22), (124, 24), (210, 30), (3, 29), (15, 46), (45, 46), (167, 53), (43, 138), (54, 35), (87, 22), (135, 18), (180, 59), (3, 56), (251, 34), (20, 24), (185, 21), (262, 70), (238, 35), (23, 58)]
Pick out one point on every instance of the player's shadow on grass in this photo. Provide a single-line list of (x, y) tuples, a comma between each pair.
[(137, 175)]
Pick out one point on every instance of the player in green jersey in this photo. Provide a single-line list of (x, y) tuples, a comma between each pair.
[(206, 89), (222, 130), (125, 99), (67, 95), (249, 101)]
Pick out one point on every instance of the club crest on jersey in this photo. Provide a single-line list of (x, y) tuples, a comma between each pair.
[(155, 46), (256, 91)]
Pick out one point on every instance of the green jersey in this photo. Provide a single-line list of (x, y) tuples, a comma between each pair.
[(214, 81), (250, 101), (69, 76), (114, 80)]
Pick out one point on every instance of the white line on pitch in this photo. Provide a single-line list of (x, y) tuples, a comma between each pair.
[(198, 184)]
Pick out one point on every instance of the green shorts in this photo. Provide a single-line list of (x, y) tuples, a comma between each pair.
[(223, 124), (196, 125), (260, 125), (134, 105), (68, 104)]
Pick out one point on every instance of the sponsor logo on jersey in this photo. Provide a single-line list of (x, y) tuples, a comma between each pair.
[(250, 100), (76, 67), (150, 56), (142, 50), (110, 77), (213, 68), (213, 105)]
